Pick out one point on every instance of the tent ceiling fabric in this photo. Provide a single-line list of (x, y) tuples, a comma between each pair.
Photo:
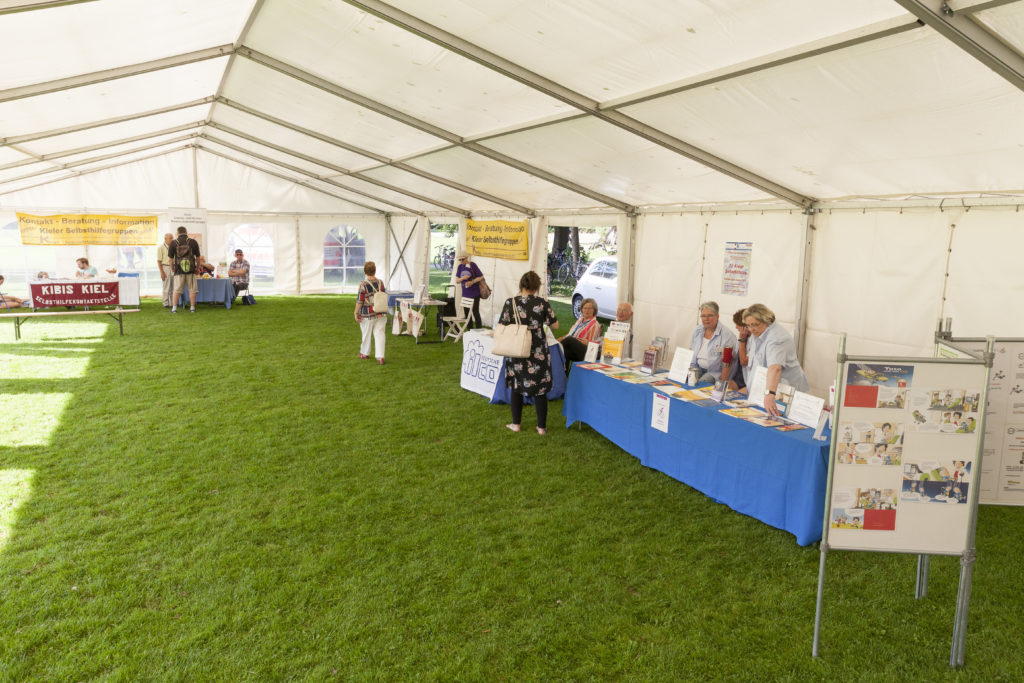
[(456, 107)]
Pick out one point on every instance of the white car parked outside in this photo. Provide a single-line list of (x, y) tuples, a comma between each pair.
[(601, 283)]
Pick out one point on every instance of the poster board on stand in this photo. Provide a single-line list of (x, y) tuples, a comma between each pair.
[(1002, 474), (907, 448)]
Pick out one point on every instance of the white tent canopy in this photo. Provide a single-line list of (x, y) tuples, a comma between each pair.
[(821, 130)]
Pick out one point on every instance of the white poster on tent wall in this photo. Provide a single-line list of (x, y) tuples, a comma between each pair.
[(193, 219), (1002, 475), (906, 457), (736, 271)]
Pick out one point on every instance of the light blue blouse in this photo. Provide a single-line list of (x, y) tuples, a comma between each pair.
[(722, 338), (775, 346)]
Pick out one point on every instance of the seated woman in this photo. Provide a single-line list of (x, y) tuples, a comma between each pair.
[(8, 301), (709, 340), (775, 350), (204, 268), (585, 330)]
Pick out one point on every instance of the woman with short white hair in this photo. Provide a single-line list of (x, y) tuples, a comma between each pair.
[(775, 350), (708, 341)]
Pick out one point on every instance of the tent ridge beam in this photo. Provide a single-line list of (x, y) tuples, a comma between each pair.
[(102, 145), (285, 178), (78, 174), (884, 30), (92, 160), (31, 137), (302, 172), (970, 37), (384, 161), (424, 126), (972, 6), (339, 169), (507, 68), (112, 74)]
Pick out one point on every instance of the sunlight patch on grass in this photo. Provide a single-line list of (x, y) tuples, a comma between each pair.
[(65, 330), (34, 417), (43, 367), (15, 487)]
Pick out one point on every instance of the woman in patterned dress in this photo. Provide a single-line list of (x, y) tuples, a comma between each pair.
[(530, 376)]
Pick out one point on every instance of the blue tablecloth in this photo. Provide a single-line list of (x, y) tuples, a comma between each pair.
[(214, 290), (776, 477), (502, 394)]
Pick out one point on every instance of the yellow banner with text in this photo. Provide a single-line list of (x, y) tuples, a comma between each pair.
[(76, 229), (499, 239)]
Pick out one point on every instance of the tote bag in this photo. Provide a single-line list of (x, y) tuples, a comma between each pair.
[(512, 341)]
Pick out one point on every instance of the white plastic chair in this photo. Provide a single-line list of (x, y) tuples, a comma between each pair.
[(458, 323)]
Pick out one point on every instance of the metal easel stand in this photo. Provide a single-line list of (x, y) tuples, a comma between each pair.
[(967, 558)]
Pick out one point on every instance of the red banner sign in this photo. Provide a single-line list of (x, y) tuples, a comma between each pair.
[(70, 293)]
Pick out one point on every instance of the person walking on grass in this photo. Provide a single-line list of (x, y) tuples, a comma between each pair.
[(372, 323), (185, 254)]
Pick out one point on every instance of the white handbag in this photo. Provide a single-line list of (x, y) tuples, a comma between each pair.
[(512, 341)]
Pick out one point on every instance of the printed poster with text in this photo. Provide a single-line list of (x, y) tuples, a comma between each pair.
[(736, 273), (499, 239)]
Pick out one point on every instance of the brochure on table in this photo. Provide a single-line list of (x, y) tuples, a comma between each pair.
[(905, 457), (1002, 472)]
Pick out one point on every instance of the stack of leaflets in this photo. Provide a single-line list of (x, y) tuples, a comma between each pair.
[(594, 366), (763, 419)]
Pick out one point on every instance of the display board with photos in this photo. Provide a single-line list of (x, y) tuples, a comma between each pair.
[(906, 456), (1002, 470)]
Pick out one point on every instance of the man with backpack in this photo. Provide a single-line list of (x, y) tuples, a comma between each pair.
[(185, 254)]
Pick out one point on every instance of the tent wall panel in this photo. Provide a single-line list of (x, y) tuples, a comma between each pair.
[(878, 277), (986, 280), (313, 230), (407, 263), (669, 257)]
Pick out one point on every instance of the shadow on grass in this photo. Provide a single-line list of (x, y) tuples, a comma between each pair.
[(235, 495)]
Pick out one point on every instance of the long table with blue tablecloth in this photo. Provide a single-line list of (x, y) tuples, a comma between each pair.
[(212, 290), (776, 477)]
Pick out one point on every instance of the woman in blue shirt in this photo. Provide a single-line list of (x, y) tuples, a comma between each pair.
[(775, 350)]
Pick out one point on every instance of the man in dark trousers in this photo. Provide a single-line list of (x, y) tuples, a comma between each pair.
[(185, 255)]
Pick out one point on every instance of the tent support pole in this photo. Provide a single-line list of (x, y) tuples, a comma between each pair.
[(298, 259), (195, 175), (803, 285)]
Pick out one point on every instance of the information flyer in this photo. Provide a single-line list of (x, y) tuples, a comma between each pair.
[(736, 273)]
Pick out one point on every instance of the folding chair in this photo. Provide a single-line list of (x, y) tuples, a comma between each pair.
[(458, 323)]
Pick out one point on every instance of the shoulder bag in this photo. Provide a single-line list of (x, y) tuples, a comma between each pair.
[(485, 291), (380, 300), (512, 341)]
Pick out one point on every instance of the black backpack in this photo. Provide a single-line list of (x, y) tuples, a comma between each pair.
[(183, 256)]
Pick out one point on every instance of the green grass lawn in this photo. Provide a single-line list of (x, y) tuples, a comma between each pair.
[(233, 495)]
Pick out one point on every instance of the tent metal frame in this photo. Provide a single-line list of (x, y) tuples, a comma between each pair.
[(423, 126), (327, 164), (560, 92), (384, 161), (303, 172)]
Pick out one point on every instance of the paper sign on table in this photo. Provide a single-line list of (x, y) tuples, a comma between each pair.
[(659, 412), (680, 364), (805, 409)]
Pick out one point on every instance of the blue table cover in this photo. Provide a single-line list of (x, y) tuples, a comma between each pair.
[(213, 290), (502, 394), (776, 477)]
